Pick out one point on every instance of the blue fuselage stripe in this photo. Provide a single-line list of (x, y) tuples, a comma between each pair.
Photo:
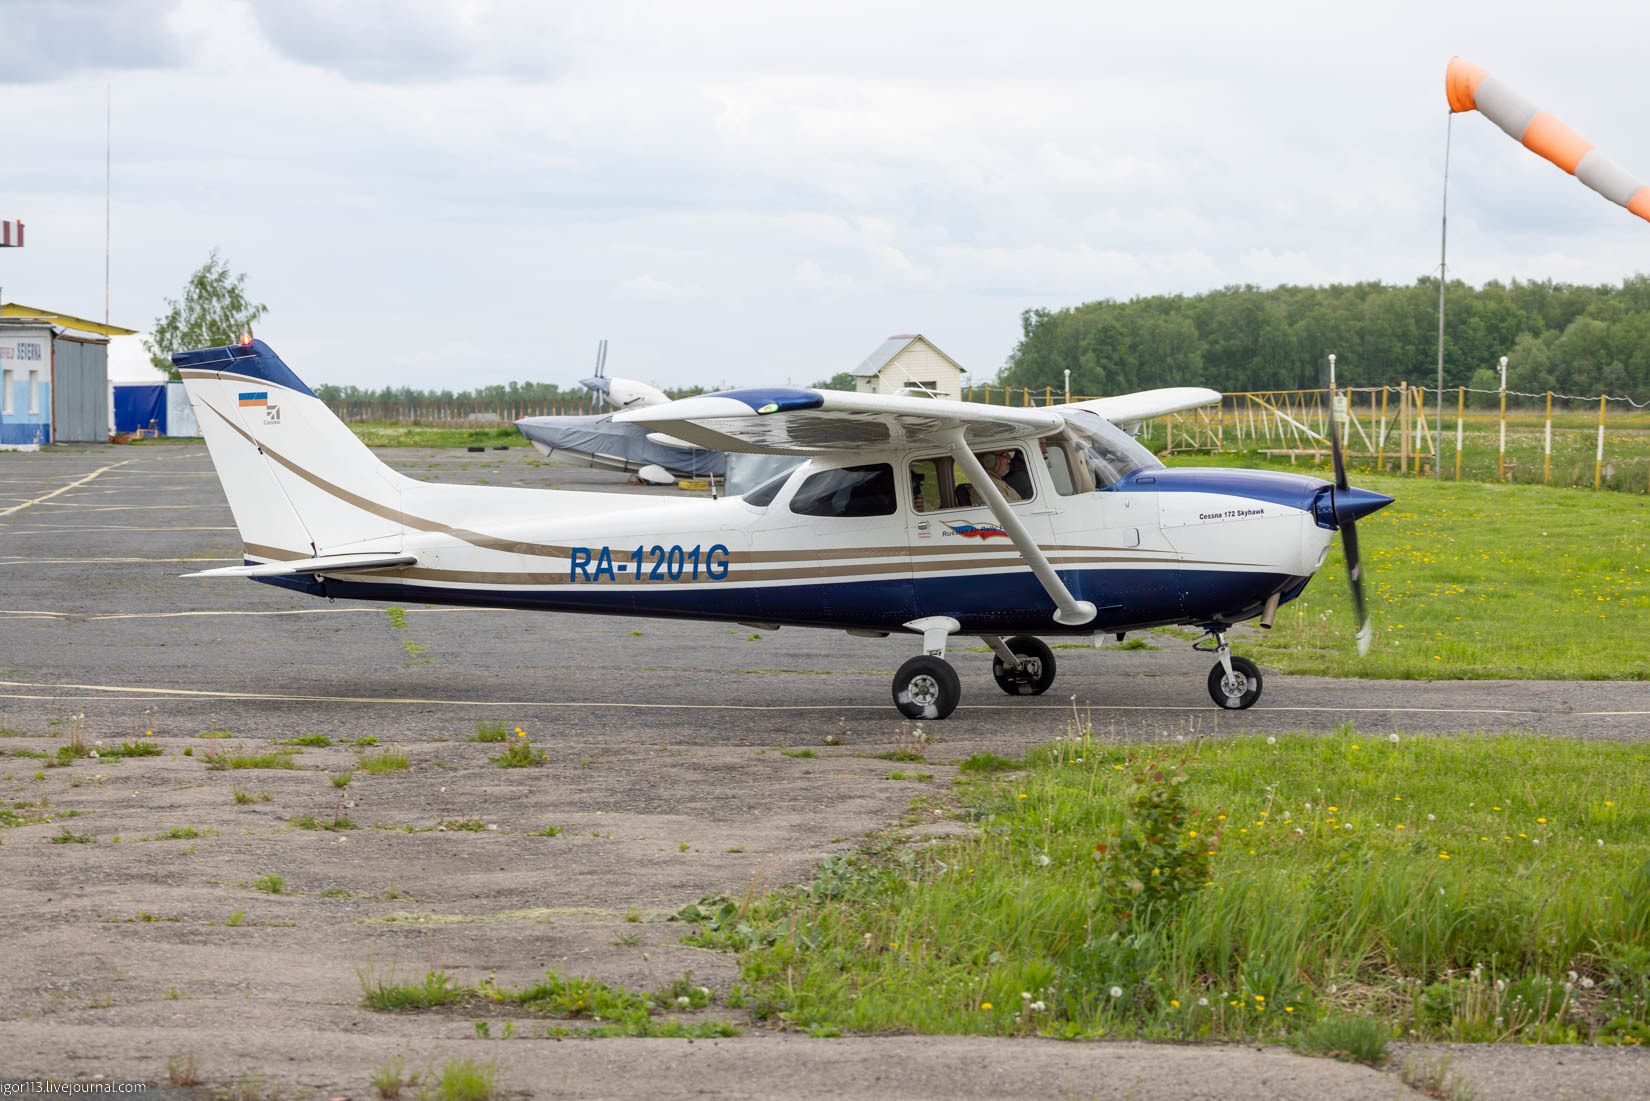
[(999, 603)]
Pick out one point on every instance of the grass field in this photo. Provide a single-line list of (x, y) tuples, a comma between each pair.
[(420, 435), (1474, 580), (1464, 888)]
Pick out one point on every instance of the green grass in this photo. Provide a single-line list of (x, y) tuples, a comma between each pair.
[(271, 884), (310, 822), (242, 796), (519, 754), (1468, 888), (180, 833), (316, 741), (1350, 1039), (69, 837), (492, 732), (384, 993), (1473, 581), (384, 762), (239, 758), (462, 1079), (988, 762), (803, 753), (384, 434)]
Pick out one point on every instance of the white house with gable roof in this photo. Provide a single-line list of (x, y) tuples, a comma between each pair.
[(909, 360)]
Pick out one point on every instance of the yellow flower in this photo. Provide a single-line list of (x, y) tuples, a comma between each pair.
[(1400, 825), (1354, 747), (1175, 1002), (1543, 821), (985, 1005), (1443, 856), (1191, 833), (1022, 795)]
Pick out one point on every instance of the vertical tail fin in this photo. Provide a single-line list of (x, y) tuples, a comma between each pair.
[(299, 482)]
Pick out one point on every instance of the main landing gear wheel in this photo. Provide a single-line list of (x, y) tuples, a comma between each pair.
[(926, 688), (1035, 672), (1239, 691)]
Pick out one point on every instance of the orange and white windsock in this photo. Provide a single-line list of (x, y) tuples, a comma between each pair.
[(1471, 88)]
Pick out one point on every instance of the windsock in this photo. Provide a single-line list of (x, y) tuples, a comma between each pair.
[(1471, 88)]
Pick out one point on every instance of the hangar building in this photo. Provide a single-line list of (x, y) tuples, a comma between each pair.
[(54, 377)]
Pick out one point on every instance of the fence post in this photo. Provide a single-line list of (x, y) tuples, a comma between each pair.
[(1501, 463), (1420, 393), (1403, 427), (1380, 439), (1547, 447), (1598, 461), (1460, 426), (1048, 395)]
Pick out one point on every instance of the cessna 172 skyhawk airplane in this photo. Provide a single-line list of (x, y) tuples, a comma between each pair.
[(935, 517)]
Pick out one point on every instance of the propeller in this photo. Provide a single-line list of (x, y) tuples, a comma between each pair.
[(1350, 504)]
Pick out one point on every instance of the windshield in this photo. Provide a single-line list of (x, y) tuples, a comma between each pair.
[(1093, 454)]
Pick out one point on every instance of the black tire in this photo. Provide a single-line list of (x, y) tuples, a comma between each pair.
[(1240, 695), (926, 688), (1036, 672)]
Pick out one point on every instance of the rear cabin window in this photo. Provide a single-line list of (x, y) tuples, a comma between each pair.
[(939, 483), (847, 491)]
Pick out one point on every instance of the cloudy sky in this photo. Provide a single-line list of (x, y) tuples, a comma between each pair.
[(451, 192)]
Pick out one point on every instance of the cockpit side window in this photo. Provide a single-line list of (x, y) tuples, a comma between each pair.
[(847, 491), (938, 483)]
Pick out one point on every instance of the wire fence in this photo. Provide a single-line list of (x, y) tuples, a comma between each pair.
[(461, 413), (1599, 441)]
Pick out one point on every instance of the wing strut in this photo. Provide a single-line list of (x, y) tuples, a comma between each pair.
[(1072, 612)]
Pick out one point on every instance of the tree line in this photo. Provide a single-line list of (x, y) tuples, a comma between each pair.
[(1569, 338)]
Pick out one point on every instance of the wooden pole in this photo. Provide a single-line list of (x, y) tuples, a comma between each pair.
[(1598, 461), (1547, 447), (1403, 427), (1380, 438)]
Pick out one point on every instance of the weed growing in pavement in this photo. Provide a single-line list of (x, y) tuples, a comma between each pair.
[(461, 1079), (215, 734), (805, 753), (392, 1077), (398, 617), (310, 822), (519, 754), (633, 914), (366, 740), (461, 825), (548, 831), (180, 833), (69, 837), (183, 1068), (915, 777), (243, 796), (384, 762), (628, 940), (220, 760), (342, 780), (251, 1085), (270, 883), (235, 918), (133, 749), (315, 741), (492, 732), (1432, 1078), (383, 992), (1349, 1039)]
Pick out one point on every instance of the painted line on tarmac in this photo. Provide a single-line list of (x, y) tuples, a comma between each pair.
[(23, 560), (120, 527), (206, 694), (86, 617), (63, 489)]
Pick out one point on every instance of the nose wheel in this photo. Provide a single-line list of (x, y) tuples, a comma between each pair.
[(926, 687), (1234, 682)]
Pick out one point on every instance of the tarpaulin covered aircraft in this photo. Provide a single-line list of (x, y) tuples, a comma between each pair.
[(934, 517)]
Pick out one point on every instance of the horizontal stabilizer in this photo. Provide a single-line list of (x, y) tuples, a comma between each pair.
[(329, 563)]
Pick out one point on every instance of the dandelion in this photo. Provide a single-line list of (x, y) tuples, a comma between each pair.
[(1586, 983), (1289, 1009), (1175, 1002), (1354, 747), (1025, 995), (1022, 795), (985, 1005), (1543, 821), (1601, 842), (1393, 738), (1271, 740), (1431, 818), (1117, 991), (684, 1000), (1203, 1002), (1038, 1007)]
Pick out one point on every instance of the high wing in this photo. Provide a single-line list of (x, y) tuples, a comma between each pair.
[(789, 421), (1129, 411)]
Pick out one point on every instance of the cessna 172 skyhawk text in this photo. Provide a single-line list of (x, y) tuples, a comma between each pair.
[(894, 523)]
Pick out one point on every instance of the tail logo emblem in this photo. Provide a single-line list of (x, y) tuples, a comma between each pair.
[(272, 415)]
